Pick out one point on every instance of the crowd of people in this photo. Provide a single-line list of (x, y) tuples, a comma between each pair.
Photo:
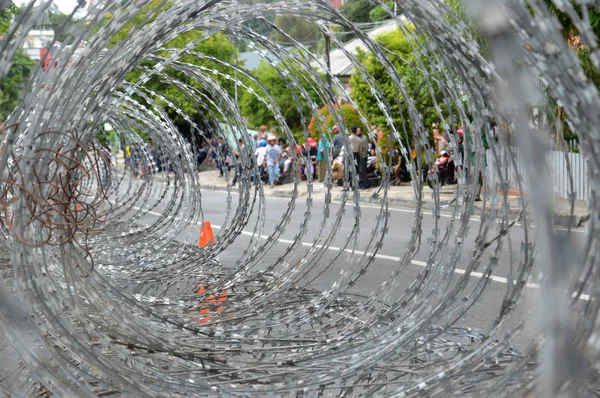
[(274, 157), (142, 159), (270, 153), (444, 147)]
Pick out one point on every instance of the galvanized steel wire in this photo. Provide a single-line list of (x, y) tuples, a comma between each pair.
[(97, 301)]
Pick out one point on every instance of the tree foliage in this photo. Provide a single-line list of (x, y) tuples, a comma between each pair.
[(259, 25), (571, 34), (217, 46), (13, 83), (6, 16), (298, 29), (357, 10), (379, 14), (568, 27), (57, 20), (257, 113), (347, 112), (146, 16), (411, 75), (460, 11)]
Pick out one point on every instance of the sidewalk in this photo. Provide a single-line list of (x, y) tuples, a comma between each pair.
[(401, 196)]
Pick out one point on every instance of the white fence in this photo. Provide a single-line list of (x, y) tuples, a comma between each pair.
[(562, 165)]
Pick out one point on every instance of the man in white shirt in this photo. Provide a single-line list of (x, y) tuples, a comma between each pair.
[(261, 154), (273, 155)]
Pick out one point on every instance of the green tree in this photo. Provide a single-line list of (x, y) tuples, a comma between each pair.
[(13, 83), (410, 74), (217, 46), (259, 25), (460, 11), (379, 14), (6, 16), (146, 16), (298, 29), (357, 10), (346, 112), (568, 27), (257, 113), (60, 31), (571, 35)]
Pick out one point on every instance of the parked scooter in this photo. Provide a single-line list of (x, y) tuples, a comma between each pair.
[(445, 169)]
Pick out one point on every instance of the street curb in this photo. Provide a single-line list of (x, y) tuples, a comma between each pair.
[(568, 221), (212, 187), (560, 220)]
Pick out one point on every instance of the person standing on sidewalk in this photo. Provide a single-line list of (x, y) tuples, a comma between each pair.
[(338, 142), (260, 154), (240, 157), (223, 155), (273, 154), (364, 155), (356, 144), (472, 155), (440, 142), (322, 157), (261, 135)]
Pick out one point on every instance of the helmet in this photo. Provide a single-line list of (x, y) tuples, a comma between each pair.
[(262, 143), (444, 153), (460, 131), (312, 143), (271, 137)]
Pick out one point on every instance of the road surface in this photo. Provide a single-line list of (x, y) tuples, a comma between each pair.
[(481, 316)]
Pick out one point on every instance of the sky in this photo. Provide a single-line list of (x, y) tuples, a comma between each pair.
[(65, 6)]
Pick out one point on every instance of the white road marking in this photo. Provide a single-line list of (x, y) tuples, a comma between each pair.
[(418, 263)]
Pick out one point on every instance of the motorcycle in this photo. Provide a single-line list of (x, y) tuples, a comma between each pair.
[(444, 168)]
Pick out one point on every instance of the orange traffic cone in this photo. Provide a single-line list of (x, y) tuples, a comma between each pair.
[(206, 235)]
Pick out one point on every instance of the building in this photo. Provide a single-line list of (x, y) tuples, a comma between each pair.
[(341, 66), (37, 40)]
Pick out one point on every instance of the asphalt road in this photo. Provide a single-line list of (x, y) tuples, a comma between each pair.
[(481, 316)]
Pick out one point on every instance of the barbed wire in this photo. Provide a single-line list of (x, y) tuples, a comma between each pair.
[(105, 292)]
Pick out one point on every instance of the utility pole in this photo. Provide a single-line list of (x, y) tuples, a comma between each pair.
[(235, 86), (327, 59)]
